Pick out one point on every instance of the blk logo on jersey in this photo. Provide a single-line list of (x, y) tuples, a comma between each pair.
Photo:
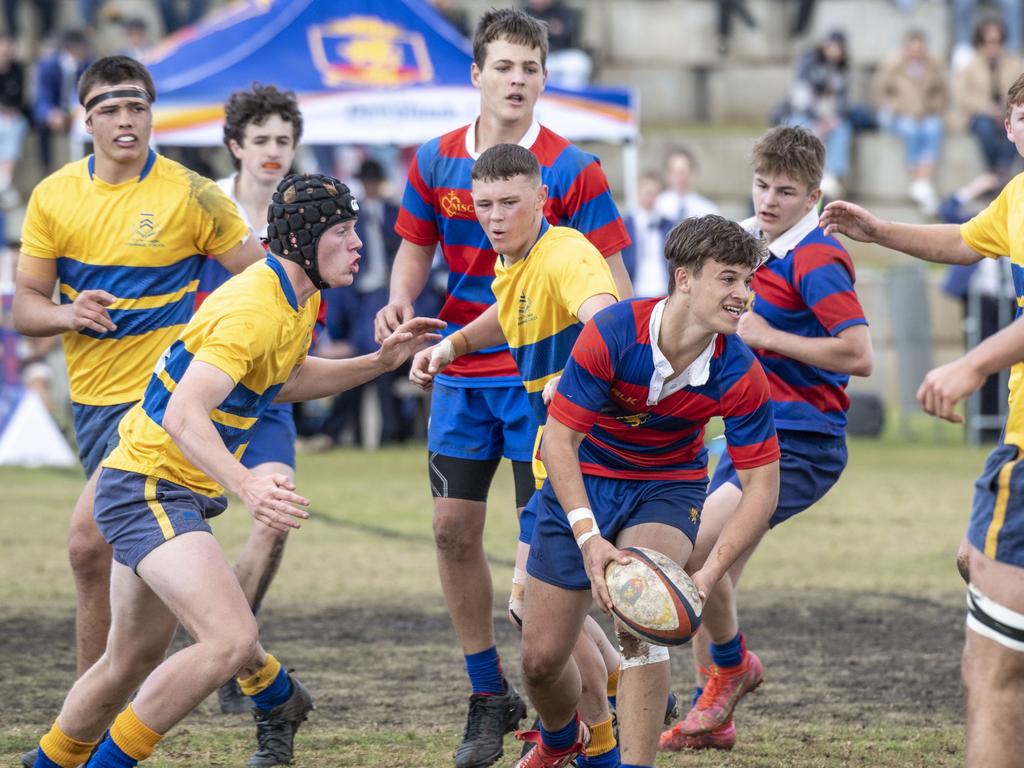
[(145, 233), (525, 313)]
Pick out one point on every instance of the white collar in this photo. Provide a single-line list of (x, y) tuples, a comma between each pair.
[(527, 141), (696, 374), (789, 239)]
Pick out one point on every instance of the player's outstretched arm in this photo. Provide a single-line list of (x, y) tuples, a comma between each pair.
[(409, 275), (760, 487), (242, 255), (318, 377), (848, 352), (560, 453), (939, 243), (36, 314), (944, 387), (485, 331), (203, 387)]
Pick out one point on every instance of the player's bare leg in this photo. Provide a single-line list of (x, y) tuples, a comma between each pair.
[(645, 681), (90, 558), (465, 575), (264, 548), (993, 673), (552, 624)]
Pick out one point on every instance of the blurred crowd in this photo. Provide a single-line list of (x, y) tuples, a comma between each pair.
[(919, 95)]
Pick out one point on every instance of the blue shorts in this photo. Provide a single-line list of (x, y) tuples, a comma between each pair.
[(997, 517), (481, 423), (136, 513), (811, 464), (528, 518), (96, 431), (273, 438), (617, 504)]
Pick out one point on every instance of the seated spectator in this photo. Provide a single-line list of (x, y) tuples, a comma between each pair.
[(55, 92), (963, 23), (909, 92), (679, 201), (645, 256), (12, 119), (819, 101), (979, 90), (568, 64)]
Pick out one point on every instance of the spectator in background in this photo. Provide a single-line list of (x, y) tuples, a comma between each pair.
[(180, 13), (726, 10), (645, 256), (55, 90), (568, 64), (979, 89), (678, 201), (909, 92), (46, 9), (136, 37), (963, 23), (819, 101), (12, 120)]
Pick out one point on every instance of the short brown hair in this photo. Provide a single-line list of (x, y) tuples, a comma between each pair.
[(506, 161), (514, 25), (794, 151), (1015, 96), (695, 240), (114, 70), (254, 106)]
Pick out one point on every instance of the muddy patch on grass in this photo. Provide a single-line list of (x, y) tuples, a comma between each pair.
[(828, 656)]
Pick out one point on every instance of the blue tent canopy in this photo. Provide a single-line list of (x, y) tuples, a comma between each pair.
[(365, 71)]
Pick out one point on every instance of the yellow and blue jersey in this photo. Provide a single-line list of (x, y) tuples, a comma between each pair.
[(999, 231), (144, 241), (253, 330), (539, 298)]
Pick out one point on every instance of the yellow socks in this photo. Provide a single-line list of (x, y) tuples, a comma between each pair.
[(261, 680), (63, 750), (132, 736)]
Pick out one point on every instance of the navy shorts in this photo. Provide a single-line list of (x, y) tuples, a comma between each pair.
[(137, 513), (528, 518), (811, 464), (96, 431), (997, 516), (273, 438), (481, 423), (617, 505)]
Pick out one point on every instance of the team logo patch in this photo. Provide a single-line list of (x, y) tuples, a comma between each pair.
[(694, 515), (525, 314), (457, 207), (145, 234), (366, 50), (634, 419)]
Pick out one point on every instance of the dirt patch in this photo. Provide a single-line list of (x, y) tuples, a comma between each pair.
[(829, 657)]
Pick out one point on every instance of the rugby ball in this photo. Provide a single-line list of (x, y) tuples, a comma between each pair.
[(653, 598)]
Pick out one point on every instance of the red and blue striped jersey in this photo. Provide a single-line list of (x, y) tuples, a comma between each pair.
[(604, 393), (809, 292), (437, 208)]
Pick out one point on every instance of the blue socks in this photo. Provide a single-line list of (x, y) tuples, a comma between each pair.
[(561, 739), (109, 755), (484, 670), (728, 654), (696, 695), (609, 759), (274, 694), (42, 761)]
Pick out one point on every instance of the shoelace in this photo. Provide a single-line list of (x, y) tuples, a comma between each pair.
[(712, 690), (475, 720)]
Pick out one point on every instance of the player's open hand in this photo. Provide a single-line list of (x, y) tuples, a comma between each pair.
[(598, 553), (548, 394), (389, 317), (946, 386), (755, 331), (406, 339), (88, 312), (272, 500), (843, 218)]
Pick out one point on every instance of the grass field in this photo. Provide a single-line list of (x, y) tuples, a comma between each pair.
[(855, 608)]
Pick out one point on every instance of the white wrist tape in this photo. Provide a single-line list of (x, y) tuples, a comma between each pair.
[(444, 352), (584, 525)]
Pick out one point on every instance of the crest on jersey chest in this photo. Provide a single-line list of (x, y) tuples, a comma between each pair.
[(457, 204), (146, 231)]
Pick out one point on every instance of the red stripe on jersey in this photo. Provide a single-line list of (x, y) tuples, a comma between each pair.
[(774, 289), (548, 146), (467, 260), (571, 415), (610, 238), (201, 297), (588, 184), (838, 308), (756, 455), (481, 364), (453, 143), (668, 474), (822, 397), (810, 257), (461, 312), (642, 319), (747, 394)]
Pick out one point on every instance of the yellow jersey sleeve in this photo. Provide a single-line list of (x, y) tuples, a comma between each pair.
[(238, 342), (218, 226), (36, 236), (578, 272), (988, 232)]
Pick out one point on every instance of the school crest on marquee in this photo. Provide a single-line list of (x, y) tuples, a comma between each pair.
[(368, 51)]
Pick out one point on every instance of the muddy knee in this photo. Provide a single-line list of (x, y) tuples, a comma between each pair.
[(636, 652)]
